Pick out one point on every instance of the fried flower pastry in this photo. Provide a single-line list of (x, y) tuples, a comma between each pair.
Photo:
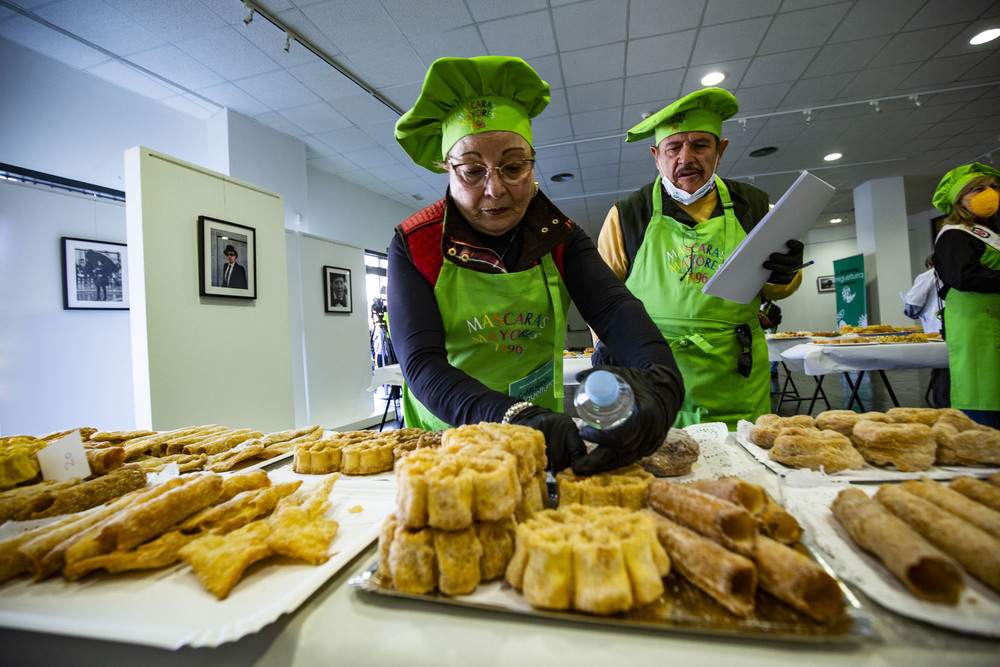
[(219, 561), (623, 487), (962, 441), (923, 568), (925, 416), (768, 427), (843, 421), (827, 450), (907, 447)]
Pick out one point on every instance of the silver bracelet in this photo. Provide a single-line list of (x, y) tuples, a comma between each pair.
[(513, 410)]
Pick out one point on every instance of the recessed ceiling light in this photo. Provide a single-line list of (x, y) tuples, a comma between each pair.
[(833, 156), (562, 178), (985, 36), (761, 152), (712, 78), (834, 221)]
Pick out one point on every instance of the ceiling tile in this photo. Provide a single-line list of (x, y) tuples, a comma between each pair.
[(413, 18), (486, 10), (726, 11), (589, 23), (595, 64), (228, 53), (278, 90), (729, 41), (872, 18), (652, 54), (655, 17), (802, 29), (594, 96), (527, 36)]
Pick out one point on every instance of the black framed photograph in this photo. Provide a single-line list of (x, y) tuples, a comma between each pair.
[(337, 289), (95, 275), (826, 284), (227, 259)]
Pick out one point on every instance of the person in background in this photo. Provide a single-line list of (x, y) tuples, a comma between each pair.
[(923, 303), (668, 238), (481, 280), (967, 259), (234, 274), (770, 317)]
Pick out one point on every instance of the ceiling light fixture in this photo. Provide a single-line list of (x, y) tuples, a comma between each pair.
[(834, 221), (915, 99), (874, 103), (833, 156), (985, 36), (743, 123), (249, 17), (712, 78), (562, 178), (763, 152), (809, 116), (288, 41)]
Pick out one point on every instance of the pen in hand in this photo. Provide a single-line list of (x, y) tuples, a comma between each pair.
[(802, 266)]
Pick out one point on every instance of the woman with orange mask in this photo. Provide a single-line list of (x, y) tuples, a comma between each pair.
[(967, 259)]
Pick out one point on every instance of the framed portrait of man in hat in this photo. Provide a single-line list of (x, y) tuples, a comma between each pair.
[(337, 289), (227, 259)]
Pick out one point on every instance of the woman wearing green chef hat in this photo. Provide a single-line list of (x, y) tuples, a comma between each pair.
[(967, 259), (480, 281)]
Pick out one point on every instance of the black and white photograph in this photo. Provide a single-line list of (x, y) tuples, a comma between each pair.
[(95, 275), (826, 284), (337, 289), (227, 259)]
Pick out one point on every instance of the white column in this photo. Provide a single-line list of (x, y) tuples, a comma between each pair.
[(884, 239)]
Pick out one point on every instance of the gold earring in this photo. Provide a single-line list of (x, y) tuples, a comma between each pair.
[(536, 189)]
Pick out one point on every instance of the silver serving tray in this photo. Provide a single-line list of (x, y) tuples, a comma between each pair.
[(683, 608)]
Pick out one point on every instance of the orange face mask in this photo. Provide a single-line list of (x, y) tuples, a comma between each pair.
[(984, 204)]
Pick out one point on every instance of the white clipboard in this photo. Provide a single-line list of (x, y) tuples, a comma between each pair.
[(742, 275)]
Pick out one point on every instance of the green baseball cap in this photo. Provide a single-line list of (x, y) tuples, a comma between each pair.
[(463, 96), (701, 111), (956, 179)]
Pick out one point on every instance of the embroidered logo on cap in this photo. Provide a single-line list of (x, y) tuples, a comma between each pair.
[(476, 113)]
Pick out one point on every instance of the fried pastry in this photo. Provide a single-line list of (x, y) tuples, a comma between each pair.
[(735, 490), (623, 487), (600, 560), (226, 460), (829, 450), (297, 534), (238, 511), (18, 459), (21, 501), (156, 553), (798, 581), (729, 578), (978, 490), (319, 457), (525, 443), (923, 568), (105, 459), (975, 549), (92, 492), (951, 500), (907, 447), (730, 525), (117, 436), (222, 442), (962, 441), (674, 457), (843, 421), (776, 522), (768, 427), (925, 416), (220, 560)]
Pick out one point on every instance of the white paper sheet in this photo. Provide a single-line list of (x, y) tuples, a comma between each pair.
[(742, 275)]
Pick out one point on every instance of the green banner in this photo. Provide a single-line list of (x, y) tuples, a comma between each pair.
[(852, 308)]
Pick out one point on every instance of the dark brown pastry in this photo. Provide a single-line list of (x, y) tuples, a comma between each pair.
[(674, 457)]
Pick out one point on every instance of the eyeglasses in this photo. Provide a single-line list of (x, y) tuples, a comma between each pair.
[(690, 241), (745, 361), (474, 174), (230, 254)]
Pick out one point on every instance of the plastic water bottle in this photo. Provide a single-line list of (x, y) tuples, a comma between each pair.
[(604, 400)]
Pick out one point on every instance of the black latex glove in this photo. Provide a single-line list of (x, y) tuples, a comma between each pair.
[(601, 356), (658, 395), (784, 265), (563, 444)]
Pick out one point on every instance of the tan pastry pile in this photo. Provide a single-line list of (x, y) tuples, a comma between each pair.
[(675, 457), (360, 452), (624, 487), (219, 526), (599, 560), (716, 533), (909, 439), (927, 533), (456, 506)]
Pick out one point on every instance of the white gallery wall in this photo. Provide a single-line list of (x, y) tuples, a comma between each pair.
[(59, 369)]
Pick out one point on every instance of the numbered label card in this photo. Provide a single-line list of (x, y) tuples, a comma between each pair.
[(64, 459)]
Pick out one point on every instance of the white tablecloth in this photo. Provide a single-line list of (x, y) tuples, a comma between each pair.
[(824, 359)]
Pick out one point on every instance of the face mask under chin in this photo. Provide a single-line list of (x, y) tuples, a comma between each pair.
[(683, 197), (985, 203)]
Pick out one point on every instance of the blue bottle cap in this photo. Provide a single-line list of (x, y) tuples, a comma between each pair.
[(602, 387)]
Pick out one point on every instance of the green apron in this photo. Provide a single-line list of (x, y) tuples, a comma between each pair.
[(972, 326), (506, 330), (669, 271)]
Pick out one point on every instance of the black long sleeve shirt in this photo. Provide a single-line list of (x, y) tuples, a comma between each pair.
[(418, 336)]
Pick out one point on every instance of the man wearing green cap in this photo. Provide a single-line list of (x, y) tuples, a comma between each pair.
[(480, 281), (967, 259), (668, 238)]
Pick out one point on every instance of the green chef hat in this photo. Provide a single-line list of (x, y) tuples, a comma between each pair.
[(701, 111), (464, 96), (956, 179)]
